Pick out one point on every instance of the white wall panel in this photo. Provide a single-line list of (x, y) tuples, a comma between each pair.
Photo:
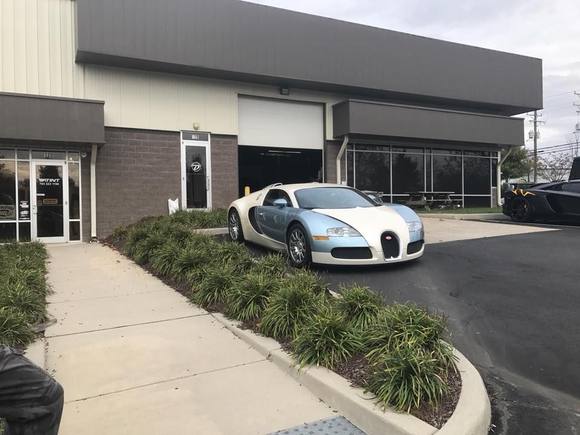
[(37, 55), (275, 123)]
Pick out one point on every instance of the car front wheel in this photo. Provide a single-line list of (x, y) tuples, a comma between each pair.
[(235, 227), (521, 210), (298, 246)]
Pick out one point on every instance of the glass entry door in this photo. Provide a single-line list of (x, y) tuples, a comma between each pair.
[(49, 204), (196, 170)]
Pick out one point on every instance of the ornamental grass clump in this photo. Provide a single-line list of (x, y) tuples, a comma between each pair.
[(15, 330), (164, 257), (408, 326), (249, 296), (214, 289), (407, 377), (289, 308), (271, 265), (359, 306), (326, 340), (190, 262)]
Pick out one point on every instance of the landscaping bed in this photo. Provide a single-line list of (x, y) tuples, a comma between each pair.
[(23, 291), (396, 352)]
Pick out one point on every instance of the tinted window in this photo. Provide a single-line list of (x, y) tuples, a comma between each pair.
[(332, 198), (571, 187), (408, 174), (447, 174), (477, 175), (275, 194)]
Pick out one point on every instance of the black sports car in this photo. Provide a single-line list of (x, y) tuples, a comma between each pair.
[(551, 201)]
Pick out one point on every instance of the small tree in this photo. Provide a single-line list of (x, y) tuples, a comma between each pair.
[(517, 164), (554, 167)]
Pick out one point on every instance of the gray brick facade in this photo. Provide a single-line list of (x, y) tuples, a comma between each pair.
[(224, 177)]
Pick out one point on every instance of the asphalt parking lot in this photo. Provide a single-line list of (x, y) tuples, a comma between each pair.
[(513, 302)]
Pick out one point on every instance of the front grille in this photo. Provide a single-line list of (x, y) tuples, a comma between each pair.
[(414, 247), (352, 253), (390, 244)]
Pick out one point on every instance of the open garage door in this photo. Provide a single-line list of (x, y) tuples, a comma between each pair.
[(280, 142)]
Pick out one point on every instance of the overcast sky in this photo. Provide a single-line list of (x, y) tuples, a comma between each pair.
[(548, 29)]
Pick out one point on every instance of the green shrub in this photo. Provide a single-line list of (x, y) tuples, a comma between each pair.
[(214, 287), (408, 326), (14, 328), (326, 339), (24, 301), (289, 308), (249, 296), (164, 257), (271, 264), (359, 305), (234, 255), (190, 262), (407, 377)]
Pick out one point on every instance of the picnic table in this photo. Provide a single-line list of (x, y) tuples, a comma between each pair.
[(429, 200)]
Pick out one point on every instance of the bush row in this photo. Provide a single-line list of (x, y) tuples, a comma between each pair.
[(23, 291), (407, 362)]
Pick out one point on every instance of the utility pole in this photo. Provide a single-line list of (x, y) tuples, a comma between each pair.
[(535, 135), (576, 152)]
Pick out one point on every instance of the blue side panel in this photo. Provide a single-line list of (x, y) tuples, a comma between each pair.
[(316, 224)]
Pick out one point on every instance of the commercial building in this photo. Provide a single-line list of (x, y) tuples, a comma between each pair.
[(110, 108)]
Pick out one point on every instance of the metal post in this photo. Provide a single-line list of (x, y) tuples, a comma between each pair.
[(535, 146)]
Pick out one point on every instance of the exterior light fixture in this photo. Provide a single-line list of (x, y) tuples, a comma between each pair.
[(284, 91)]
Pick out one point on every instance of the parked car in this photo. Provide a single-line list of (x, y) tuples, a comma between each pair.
[(550, 201), (327, 224)]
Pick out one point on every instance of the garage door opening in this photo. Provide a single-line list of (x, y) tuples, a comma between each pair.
[(260, 166)]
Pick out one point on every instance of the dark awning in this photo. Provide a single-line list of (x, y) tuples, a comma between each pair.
[(367, 118), (51, 119)]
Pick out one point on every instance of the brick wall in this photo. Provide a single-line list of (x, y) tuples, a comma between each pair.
[(137, 172), (224, 165)]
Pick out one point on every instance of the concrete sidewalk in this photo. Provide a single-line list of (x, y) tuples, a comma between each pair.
[(135, 357)]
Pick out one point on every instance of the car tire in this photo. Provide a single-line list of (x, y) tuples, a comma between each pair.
[(298, 246), (521, 210), (235, 227)]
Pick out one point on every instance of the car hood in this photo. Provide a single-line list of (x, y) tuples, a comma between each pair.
[(369, 221)]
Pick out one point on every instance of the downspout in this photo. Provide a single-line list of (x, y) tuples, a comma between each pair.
[(339, 158), (501, 160), (94, 151)]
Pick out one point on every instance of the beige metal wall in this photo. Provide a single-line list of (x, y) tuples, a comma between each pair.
[(37, 50)]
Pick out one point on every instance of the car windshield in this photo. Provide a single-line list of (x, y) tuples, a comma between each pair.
[(332, 198)]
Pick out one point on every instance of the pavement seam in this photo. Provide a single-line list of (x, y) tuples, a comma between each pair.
[(165, 381), (126, 326), (65, 301)]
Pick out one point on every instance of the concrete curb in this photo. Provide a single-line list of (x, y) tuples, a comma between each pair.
[(36, 352), (472, 415), (464, 217), (211, 231)]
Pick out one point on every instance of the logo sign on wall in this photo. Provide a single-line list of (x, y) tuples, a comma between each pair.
[(196, 167)]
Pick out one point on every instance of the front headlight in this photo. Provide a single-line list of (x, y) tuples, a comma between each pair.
[(342, 232), (414, 226)]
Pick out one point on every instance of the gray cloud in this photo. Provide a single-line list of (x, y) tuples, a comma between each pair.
[(549, 30)]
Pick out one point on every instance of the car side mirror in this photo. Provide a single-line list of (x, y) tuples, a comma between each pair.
[(280, 203)]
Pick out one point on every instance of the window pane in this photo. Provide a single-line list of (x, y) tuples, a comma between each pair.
[(7, 190), (428, 173), (407, 150), (195, 169), (48, 155), (372, 148), (74, 191), (446, 174), (408, 175), (75, 231), (23, 154), (494, 172), (478, 201), (447, 152), (7, 232), (477, 175), (349, 168), (477, 153), (373, 171), (24, 231), (23, 191), (6, 153)]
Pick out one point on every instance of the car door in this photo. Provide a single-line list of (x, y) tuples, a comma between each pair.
[(271, 219), (570, 198)]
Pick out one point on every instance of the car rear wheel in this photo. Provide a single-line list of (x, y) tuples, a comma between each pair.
[(298, 246), (235, 227), (521, 210)]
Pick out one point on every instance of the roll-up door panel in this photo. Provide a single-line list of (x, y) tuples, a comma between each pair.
[(276, 123)]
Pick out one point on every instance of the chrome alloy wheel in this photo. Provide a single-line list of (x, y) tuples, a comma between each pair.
[(297, 246), (234, 226)]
